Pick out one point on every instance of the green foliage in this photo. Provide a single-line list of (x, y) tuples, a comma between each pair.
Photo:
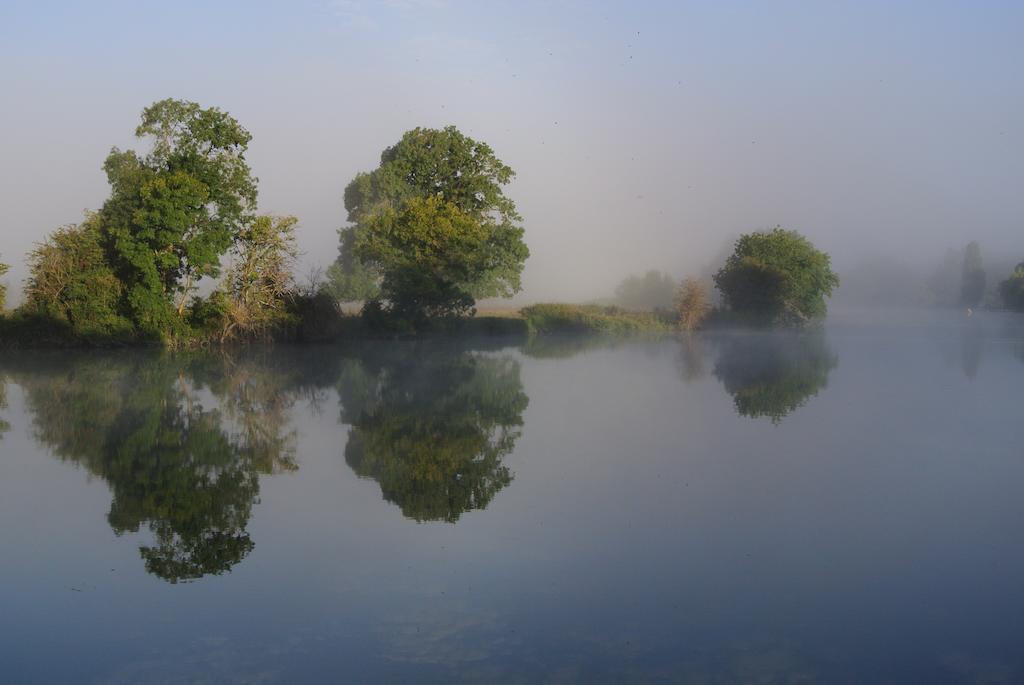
[(1012, 289), (776, 277), (431, 175), (71, 284), (3, 286), (429, 254), (259, 282), (972, 284), (772, 376), (173, 213), (573, 318), (653, 290), (433, 429), (348, 279)]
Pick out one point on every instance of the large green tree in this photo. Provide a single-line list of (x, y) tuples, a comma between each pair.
[(431, 176), (1012, 289), (175, 211), (776, 277)]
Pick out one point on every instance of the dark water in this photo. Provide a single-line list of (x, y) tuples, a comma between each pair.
[(842, 507)]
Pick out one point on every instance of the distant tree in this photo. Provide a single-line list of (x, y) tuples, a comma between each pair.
[(653, 290), (776, 277), (430, 175), (692, 304), (1012, 289), (3, 286), (972, 283), (261, 277), (71, 283), (173, 213)]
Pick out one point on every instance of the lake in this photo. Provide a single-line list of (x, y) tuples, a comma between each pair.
[(840, 506)]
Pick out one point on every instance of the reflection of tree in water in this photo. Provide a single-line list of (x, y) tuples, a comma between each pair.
[(4, 426), (773, 374), (972, 344), (691, 359), (188, 472), (432, 426)]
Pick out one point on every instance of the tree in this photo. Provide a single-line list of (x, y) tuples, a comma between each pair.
[(261, 277), (972, 283), (692, 304), (1012, 289), (71, 283), (653, 290), (3, 286), (431, 174), (172, 214), (776, 277), (429, 255)]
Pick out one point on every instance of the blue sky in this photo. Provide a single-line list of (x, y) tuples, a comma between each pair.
[(645, 135)]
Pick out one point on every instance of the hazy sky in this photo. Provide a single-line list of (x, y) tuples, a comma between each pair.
[(644, 134)]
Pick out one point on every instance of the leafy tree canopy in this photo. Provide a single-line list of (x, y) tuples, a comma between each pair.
[(173, 213), (431, 174), (1012, 289), (776, 277)]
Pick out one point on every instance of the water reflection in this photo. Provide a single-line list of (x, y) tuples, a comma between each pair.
[(187, 471), (4, 425), (772, 375), (972, 345), (432, 426)]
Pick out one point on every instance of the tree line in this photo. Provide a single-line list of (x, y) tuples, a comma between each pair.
[(430, 231)]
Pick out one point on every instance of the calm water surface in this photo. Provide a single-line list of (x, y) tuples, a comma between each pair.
[(839, 507)]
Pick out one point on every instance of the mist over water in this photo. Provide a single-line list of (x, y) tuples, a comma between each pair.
[(827, 507)]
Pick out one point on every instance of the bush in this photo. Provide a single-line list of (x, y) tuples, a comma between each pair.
[(572, 318), (71, 283), (692, 304)]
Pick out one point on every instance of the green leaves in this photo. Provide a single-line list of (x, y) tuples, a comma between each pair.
[(432, 229), (777, 277), (174, 213), (3, 286)]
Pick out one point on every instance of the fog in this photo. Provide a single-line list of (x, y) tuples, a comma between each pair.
[(643, 137)]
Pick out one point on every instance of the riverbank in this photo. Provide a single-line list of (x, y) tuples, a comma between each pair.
[(317, 325)]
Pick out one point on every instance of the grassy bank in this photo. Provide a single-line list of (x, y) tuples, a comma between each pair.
[(574, 319), (332, 324)]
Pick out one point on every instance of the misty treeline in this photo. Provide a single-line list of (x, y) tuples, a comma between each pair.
[(178, 253), (960, 278)]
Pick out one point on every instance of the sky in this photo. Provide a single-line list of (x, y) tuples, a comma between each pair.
[(644, 135)]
